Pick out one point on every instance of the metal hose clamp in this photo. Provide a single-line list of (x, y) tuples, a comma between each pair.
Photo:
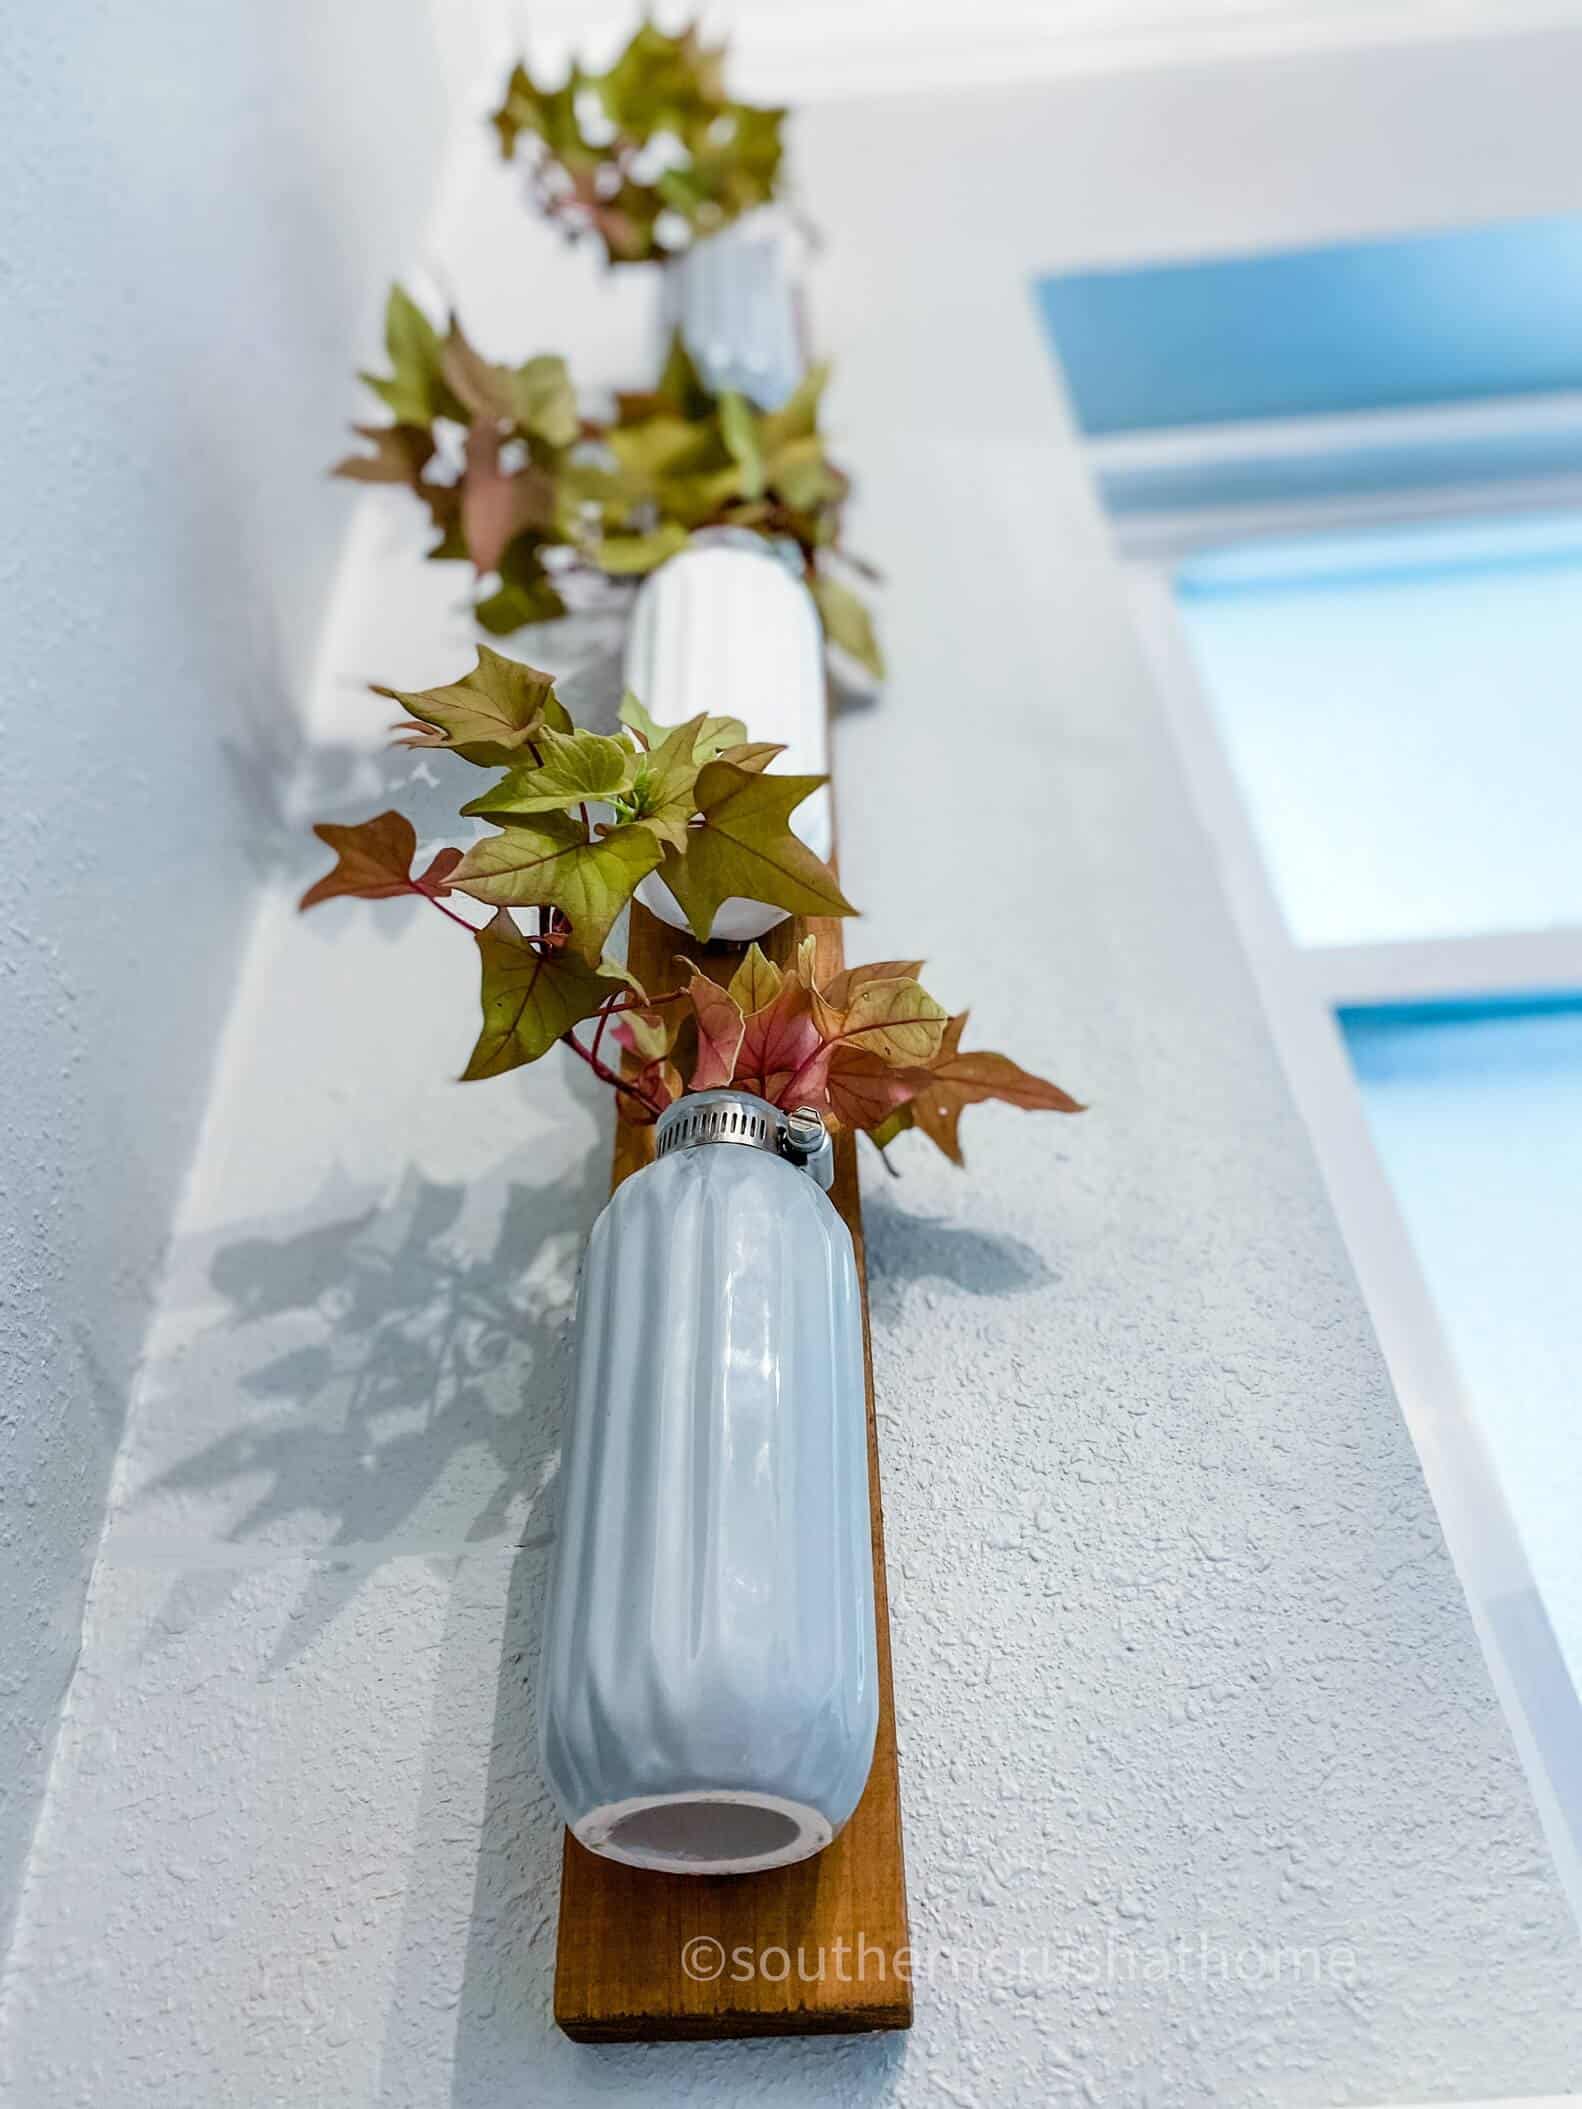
[(801, 1136)]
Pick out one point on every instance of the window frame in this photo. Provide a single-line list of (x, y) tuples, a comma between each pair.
[(1300, 989)]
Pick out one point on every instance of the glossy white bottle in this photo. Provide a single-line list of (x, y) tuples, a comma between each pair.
[(709, 1696)]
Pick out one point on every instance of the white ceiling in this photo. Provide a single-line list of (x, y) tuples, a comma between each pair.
[(805, 50)]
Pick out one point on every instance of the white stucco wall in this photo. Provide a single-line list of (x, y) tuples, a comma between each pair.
[(193, 228), (1179, 1654)]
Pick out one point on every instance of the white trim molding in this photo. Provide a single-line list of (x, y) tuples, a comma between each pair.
[(824, 50), (1497, 964), (1172, 492)]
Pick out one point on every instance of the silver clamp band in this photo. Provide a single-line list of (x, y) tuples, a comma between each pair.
[(801, 1136)]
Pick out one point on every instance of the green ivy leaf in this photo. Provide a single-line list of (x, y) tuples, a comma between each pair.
[(752, 755), (664, 790), (401, 453), (481, 387), (416, 391), (543, 402), (893, 1017), (797, 416), (634, 556), (659, 80), (526, 593), (537, 398), (576, 768), (713, 737), (847, 623), (489, 715), (550, 863), (739, 429), (895, 1123), (532, 994), (744, 846), (680, 383), (755, 982), (839, 991), (724, 156)]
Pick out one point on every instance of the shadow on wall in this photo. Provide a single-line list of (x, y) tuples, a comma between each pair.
[(390, 1380), (906, 1251), (508, 1979), (421, 1410), (400, 1372)]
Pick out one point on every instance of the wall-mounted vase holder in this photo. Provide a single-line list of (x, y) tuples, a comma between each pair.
[(715, 1708)]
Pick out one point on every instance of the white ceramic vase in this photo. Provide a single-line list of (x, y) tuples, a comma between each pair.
[(726, 628), (709, 1697), (734, 297)]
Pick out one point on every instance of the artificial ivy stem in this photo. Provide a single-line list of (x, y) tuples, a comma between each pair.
[(608, 1076), (598, 1030), (423, 894), (644, 1003)]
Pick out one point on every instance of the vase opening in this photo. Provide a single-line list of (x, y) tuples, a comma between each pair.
[(706, 1834)]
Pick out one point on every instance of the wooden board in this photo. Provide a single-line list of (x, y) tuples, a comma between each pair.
[(812, 1949)]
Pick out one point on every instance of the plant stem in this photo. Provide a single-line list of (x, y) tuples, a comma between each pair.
[(608, 1076), (644, 1003), (598, 1030), (423, 894)]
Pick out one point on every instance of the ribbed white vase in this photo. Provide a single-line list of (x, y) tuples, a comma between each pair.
[(734, 298), (725, 628), (709, 1697)]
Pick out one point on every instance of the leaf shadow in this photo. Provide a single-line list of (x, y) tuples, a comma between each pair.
[(399, 1389), (351, 779), (905, 1250)]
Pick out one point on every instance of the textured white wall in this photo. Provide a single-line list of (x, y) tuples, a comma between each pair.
[(1178, 1649), (197, 204)]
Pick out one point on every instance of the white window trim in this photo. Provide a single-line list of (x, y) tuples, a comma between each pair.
[(1495, 964), (1297, 989), (1437, 461)]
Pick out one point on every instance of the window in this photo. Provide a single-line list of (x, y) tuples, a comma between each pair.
[(1357, 559)]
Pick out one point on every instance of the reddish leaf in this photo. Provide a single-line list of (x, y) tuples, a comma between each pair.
[(721, 1029), (374, 862), (400, 454), (955, 1081), (862, 1089), (497, 506), (778, 1042), (435, 881), (655, 1080)]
